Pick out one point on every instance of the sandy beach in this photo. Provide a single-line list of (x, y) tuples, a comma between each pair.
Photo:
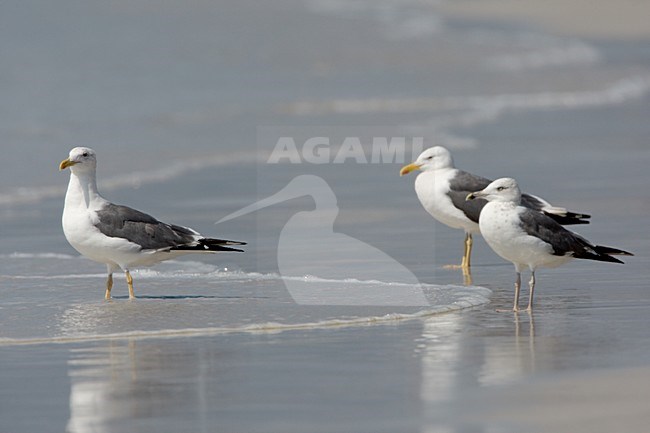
[(184, 106)]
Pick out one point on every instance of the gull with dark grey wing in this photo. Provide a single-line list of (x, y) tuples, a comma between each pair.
[(442, 189), (119, 236), (528, 238)]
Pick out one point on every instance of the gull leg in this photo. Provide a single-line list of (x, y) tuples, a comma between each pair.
[(109, 286), (467, 272), (467, 277), (464, 264), (517, 289), (531, 285), (129, 282), (515, 308)]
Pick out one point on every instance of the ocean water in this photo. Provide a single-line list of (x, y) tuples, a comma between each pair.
[(340, 315)]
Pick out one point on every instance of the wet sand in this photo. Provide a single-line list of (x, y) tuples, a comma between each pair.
[(573, 130)]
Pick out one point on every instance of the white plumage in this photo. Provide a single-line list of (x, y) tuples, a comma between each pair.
[(442, 188), (528, 238), (121, 237)]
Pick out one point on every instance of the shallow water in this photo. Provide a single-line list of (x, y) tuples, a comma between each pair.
[(184, 123), (193, 299)]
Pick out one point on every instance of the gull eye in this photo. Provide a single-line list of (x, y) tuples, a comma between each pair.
[(85, 154), (501, 188), (429, 158)]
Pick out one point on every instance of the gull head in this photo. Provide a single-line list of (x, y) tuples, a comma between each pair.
[(80, 159), (433, 158), (504, 190)]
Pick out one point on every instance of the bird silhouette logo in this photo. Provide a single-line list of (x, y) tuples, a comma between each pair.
[(322, 267)]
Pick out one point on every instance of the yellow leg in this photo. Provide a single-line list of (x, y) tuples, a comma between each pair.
[(467, 277), (129, 282), (467, 252), (109, 286), (465, 262)]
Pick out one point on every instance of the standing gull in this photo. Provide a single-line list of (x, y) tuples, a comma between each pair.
[(442, 189), (119, 236), (528, 238)]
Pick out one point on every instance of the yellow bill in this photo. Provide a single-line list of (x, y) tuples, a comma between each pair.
[(66, 163), (408, 168)]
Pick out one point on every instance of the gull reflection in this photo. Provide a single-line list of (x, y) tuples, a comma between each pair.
[(445, 348), (114, 384), (112, 380), (97, 376), (461, 364), (513, 359), (440, 350)]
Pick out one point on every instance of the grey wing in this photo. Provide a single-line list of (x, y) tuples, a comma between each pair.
[(561, 240), (532, 202), (565, 242), (559, 214), (142, 229), (460, 186)]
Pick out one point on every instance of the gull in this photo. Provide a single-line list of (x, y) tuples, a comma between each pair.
[(528, 238), (442, 189), (119, 236)]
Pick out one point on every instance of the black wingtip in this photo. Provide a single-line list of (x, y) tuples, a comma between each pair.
[(598, 257), (570, 218), (221, 241), (613, 259), (611, 251), (212, 245), (230, 250), (605, 254), (578, 215), (572, 222)]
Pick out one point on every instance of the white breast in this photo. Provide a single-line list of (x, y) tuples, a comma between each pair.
[(78, 221), (501, 228), (431, 188)]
